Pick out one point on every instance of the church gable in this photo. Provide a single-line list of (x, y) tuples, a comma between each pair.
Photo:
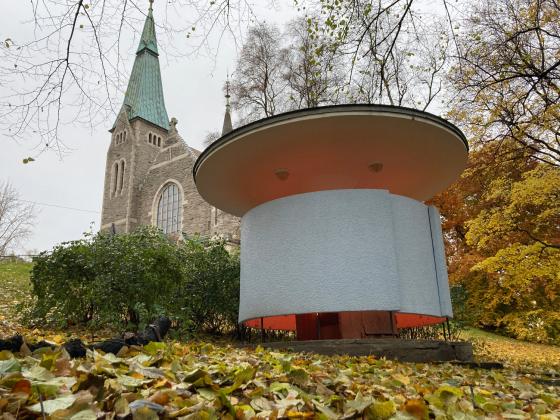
[(174, 148), (170, 153), (121, 133)]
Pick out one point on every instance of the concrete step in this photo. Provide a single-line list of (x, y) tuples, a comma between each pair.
[(390, 348)]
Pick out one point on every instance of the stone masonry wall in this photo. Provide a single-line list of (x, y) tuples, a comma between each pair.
[(175, 166), (115, 205), (145, 154), (147, 169), (225, 225)]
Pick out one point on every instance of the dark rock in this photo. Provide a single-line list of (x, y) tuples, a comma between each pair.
[(113, 345), (157, 330), (75, 348), (12, 344), (40, 345), (134, 340), (481, 365), (548, 381)]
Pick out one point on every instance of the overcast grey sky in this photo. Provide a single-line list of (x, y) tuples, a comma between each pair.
[(193, 95)]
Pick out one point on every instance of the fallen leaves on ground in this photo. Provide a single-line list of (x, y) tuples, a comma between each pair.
[(204, 380), (521, 355)]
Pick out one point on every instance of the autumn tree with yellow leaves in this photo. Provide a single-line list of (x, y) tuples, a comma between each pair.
[(501, 226), (502, 218)]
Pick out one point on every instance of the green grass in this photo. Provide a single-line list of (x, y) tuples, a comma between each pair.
[(14, 286), (474, 333)]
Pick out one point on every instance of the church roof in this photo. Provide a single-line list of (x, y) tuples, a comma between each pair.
[(144, 94), (148, 39)]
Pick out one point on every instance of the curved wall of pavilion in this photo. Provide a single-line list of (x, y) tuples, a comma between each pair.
[(342, 250)]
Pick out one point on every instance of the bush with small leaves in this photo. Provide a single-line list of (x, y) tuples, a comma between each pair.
[(109, 280)]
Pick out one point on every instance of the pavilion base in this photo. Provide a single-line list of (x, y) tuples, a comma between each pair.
[(390, 348), (345, 325)]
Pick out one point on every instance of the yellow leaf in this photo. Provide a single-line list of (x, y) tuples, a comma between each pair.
[(300, 414), (160, 397), (448, 390), (417, 408), (58, 339), (382, 410), (121, 407), (405, 380), (145, 413)]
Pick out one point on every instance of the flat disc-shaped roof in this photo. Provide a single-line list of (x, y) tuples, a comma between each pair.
[(408, 152)]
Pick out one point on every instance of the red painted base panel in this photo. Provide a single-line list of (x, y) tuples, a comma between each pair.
[(334, 325)]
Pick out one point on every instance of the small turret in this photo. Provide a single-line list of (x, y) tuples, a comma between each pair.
[(227, 127)]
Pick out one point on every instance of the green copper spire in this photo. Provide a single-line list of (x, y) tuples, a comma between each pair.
[(148, 39), (144, 94)]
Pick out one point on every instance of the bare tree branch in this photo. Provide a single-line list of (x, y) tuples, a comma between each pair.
[(16, 219)]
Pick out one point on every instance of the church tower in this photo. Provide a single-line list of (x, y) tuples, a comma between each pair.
[(138, 135), (148, 174)]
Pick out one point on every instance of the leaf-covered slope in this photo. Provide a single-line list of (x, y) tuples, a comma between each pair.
[(517, 354), (202, 380)]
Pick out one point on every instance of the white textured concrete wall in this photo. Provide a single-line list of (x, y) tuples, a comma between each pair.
[(441, 263), (342, 250), (418, 289)]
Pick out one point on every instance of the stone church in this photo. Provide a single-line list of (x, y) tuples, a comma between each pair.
[(148, 174)]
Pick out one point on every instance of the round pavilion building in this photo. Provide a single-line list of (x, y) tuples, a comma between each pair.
[(336, 241)]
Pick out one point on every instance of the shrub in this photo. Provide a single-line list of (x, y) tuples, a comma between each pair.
[(538, 326), (129, 279), (212, 300), (527, 312)]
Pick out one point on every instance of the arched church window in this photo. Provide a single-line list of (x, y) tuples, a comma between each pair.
[(121, 181), (115, 178), (154, 139), (120, 137), (169, 209)]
